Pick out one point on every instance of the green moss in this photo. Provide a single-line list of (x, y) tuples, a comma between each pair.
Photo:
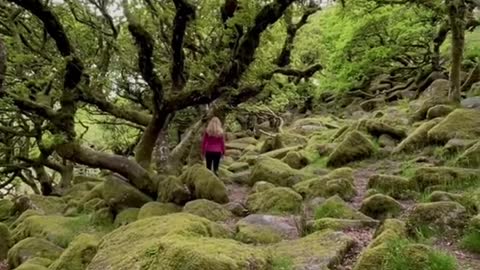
[(32, 247), (335, 207), (256, 234), (394, 186), (282, 263), (338, 182), (78, 254), (47, 205), (460, 124), (203, 184), (238, 166), (78, 179), (275, 201), (5, 241), (417, 139), (78, 191), (377, 128), (295, 160), (57, 229), (6, 207), (24, 216), (439, 216), (471, 157), (445, 177), (440, 110), (261, 186), (276, 172), (355, 146), (102, 217), (319, 250), (381, 207), (126, 217), (120, 195), (339, 224), (152, 209), (94, 205), (173, 190), (31, 266), (96, 192), (207, 209)]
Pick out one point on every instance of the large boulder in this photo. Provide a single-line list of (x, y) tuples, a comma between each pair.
[(120, 195), (207, 209), (153, 209), (5, 241), (355, 146), (78, 254), (170, 242), (6, 207), (339, 224), (35, 264), (261, 186), (460, 124), (426, 177), (277, 200), (276, 172), (338, 182), (173, 190), (391, 185), (381, 207), (295, 159), (319, 250), (437, 216), (203, 184), (47, 205), (471, 103), (56, 229), (441, 110), (126, 217), (266, 229), (377, 128), (471, 157), (335, 207), (418, 138), (30, 248)]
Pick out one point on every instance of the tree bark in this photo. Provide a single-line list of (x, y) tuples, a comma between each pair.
[(456, 15)]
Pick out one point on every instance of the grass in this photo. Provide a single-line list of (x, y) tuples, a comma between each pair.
[(282, 263), (471, 241)]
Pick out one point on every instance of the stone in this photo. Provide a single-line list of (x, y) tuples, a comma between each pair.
[(391, 185), (78, 254), (337, 182), (153, 209), (417, 139), (339, 224), (470, 158), (439, 111), (203, 184), (126, 217), (261, 186), (295, 160), (238, 167), (335, 207), (173, 190), (5, 241), (279, 200), (460, 124), (207, 209), (121, 195), (354, 147), (237, 208), (438, 216), (471, 103), (426, 177), (381, 206), (266, 229), (30, 248), (276, 172), (6, 207)]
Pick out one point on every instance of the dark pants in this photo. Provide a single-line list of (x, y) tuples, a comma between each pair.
[(213, 161)]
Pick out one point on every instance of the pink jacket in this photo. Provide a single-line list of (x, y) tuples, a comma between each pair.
[(213, 144)]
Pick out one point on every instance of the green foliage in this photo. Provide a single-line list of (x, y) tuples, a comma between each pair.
[(471, 241), (282, 263)]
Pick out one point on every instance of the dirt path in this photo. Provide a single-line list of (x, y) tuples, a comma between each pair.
[(361, 177)]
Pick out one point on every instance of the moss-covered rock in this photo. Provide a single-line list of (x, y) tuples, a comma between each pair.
[(280, 153), (35, 264), (389, 230), (5, 241), (126, 217), (418, 138), (170, 242), (78, 254), (355, 146), (203, 184), (261, 186), (295, 160), (256, 234), (391, 185), (377, 128), (437, 216), (173, 190), (94, 205), (78, 191), (153, 209), (238, 166), (439, 111), (96, 192), (266, 229), (319, 250), (78, 179), (337, 182), (335, 207), (207, 209), (443, 196), (47, 205), (426, 177), (121, 195), (30, 248), (237, 208), (276, 172), (102, 217), (338, 224), (471, 157), (57, 229), (460, 124), (6, 207), (277, 200), (24, 216), (381, 207)]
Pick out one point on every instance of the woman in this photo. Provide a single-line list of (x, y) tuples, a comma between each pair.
[(213, 145)]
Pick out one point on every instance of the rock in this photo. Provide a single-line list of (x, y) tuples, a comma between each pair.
[(458, 145), (439, 216), (94, 205), (173, 190), (207, 209), (438, 88), (319, 250), (277, 200), (47, 205), (121, 195), (79, 179), (355, 146), (78, 191), (56, 229), (276, 172), (474, 90), (460, 124), (418, 138), (95, 193), (203, 184), (245, 140), (381, 207), (153, 209), (233, 153), (237, 146), (338, 182), (338, 224), (271, 144), (78, 254), (23, 216), (391, 185), (5, 241), (6, 207), (295, 160), (386, 141), (426, 177), (466, 200), (266, 229), (242, 178), (377, 128), (170, 242), (471, 157), (238, 167), (237, 208), (289, 139), (471, 103), (261, 186), (439, 111), (126, 217), (279, 153), (30, 248), (102, 217), (390, 230), (335, 207), (372, 104)]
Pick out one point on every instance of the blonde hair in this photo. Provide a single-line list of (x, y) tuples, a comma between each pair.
[(214, 127)]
